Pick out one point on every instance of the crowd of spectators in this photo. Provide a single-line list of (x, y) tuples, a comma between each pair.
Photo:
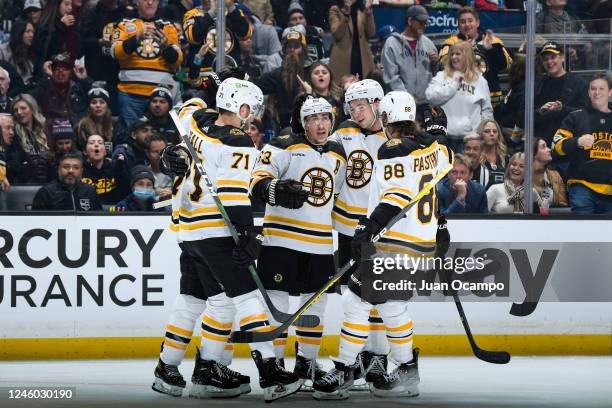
[(86, 88)]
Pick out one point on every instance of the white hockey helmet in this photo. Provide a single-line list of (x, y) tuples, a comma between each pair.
[(397, 106), (313, 106), (365, 89), (233, 93)]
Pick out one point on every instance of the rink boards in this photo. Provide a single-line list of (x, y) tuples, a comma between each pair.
[(103, 286)]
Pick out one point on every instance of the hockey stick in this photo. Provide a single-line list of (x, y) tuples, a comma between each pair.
[(162, 204), (306, 320), (495, 357), (256, 337)]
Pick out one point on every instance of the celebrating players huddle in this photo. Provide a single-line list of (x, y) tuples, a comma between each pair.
[(356, 181)]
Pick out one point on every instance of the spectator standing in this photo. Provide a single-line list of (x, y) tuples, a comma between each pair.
[(175, 10), (265, 39), (32, 10), (158, 113), (199, 28), (96, 28), (163, 182), (458, 193), (148, 52), (584, 137), (508, 197), (56, 31), (315, 51), (554, 19), (557, 93), (320, 83), (492, 58), (410, 59), (511, 114), (19, 52), (548, 185), (99, 121), (68, 192), (110, 178), (60, 95), (262, 9), (351, 24), (5, 83), (247, 61), (142, 196), (493, 158), (462, 92)]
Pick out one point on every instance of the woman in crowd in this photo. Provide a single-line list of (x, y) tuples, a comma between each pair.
[(56, 32), (19, 52), (512, 111), (320, 83), (256, 133), (110, 179), (493, 158), (99, 121), (508, 197), (547, 183), (463, 93), (351, 23), (30, 131)]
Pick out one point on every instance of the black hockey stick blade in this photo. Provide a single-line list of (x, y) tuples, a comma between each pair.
[(493, 357), (305, 321)]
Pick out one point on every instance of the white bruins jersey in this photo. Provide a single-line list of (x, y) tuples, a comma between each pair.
[(321, 169), (228, 155), (403, 168), (361, 151)]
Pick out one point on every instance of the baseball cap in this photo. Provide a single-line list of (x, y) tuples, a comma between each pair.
[(61, 59), (291, 33), (32, 4), (139, 123), (417, 12), (385, 31), (552, 48)]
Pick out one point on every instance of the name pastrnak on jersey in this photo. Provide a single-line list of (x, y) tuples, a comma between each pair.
[(403, 169), (322, 170), (361, 148), (228, 156)]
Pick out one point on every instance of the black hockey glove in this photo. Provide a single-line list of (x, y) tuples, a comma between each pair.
[(287, 193), (442, 237), (248, 247), (434, 121), (175, 160), (365, 230)]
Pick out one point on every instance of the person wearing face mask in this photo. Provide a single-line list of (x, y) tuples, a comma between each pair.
[(142, 196), (110, 178), (298, 177)]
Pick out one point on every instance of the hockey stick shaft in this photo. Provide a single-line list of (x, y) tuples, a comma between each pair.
[(161, 204), (307, 320), (256, 337)]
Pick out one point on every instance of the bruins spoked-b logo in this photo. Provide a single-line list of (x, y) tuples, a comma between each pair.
[(359, 169), (148, 49), (321, 185)]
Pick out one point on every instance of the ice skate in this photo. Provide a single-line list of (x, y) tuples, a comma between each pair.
[(168, 379), (275, 381), (335, 384), (211, 380), (401, 382)]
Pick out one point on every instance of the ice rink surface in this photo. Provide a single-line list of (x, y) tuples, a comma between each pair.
[(445, 382)]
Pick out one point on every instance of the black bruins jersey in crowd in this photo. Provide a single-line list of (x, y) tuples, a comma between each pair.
[(590, 167), (322, 169)]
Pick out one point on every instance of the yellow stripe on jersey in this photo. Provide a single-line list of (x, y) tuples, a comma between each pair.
[(216, 324), (175, 345), (203, 224), (400, 341), (351, 208), (398, 200), (406, 326), (297, 237), (306, 340), (396, 248), (605, 189), (337, 156), (346, 221), (173, 227), (198, 131), (347, 130), (363, 327), (252, 318), (226, 182), (234, 197), (352, 339), (425, 151), (299, 146), (290, 221), (178, 330), (201, 210), (409, 238)]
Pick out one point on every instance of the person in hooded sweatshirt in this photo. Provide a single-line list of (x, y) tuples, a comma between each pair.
[(142, 196)]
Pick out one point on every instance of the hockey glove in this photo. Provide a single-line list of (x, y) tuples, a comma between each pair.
[(442, 237), (365, 230), (248, 247), (175, 160), (287, 193), (434, 121)]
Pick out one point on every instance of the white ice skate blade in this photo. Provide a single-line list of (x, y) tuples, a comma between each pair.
[(245, 389), (336, 395), (209, 391), (160, 386), (403, 391), (360, 385), (280, 391)]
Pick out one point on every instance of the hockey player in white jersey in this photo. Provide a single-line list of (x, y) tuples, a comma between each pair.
[(404, 165), (228, 156), (298, 177), (361, 137)]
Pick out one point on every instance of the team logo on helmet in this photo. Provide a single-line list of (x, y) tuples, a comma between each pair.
[(321, 185), (359, 169)]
